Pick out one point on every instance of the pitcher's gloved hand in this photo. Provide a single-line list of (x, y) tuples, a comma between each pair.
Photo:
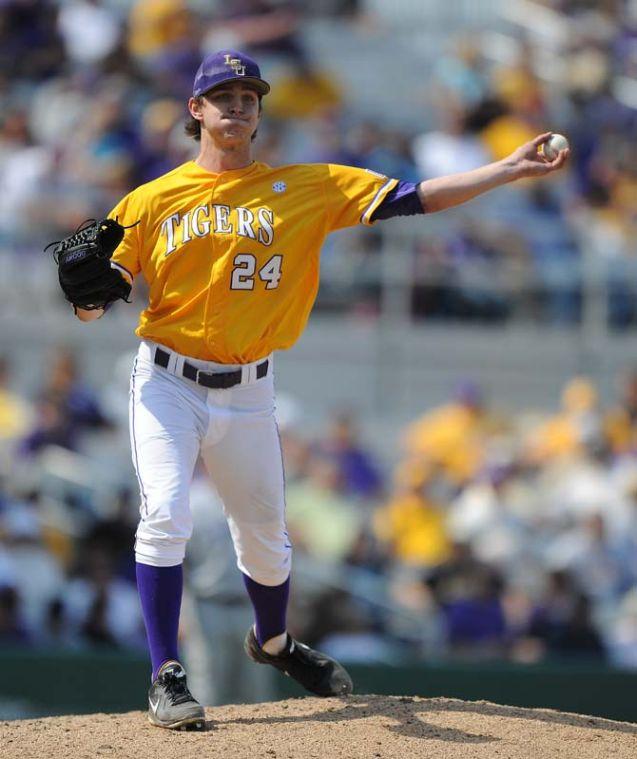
[(87, 278)]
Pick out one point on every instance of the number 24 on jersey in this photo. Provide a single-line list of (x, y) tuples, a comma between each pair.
[(245, 266)]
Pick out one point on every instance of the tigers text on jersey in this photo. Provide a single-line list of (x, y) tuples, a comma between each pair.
[(232, 259)]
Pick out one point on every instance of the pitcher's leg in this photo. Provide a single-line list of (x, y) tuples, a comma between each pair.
[(165, 433), (246, 465), (247, 469)]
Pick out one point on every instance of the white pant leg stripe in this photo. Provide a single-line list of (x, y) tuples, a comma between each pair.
[(134, 442)]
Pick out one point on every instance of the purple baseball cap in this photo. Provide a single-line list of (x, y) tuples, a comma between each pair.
[(228, 66)]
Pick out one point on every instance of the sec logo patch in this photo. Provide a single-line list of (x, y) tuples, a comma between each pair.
[(279, 187)]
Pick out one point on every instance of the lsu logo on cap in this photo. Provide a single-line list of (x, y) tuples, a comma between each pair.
[(238, 68)]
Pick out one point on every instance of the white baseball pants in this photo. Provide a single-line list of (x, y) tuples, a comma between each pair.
[(173, 421)]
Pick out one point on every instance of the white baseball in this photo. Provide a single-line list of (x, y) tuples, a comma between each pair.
[(553, 145)]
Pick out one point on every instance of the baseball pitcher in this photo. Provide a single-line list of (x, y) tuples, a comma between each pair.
[(229, 248)]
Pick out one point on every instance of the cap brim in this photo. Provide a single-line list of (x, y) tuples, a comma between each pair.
[(260, 85)]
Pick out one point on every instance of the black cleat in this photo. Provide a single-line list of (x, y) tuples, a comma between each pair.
[(315, 671), (171, 704)]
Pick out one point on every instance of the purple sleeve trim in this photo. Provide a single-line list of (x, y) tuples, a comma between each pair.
[(403, 200)]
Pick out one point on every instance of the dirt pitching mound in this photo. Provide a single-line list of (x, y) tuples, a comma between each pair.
[(373, 727)]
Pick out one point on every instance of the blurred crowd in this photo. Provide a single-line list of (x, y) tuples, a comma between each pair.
[(505, 535), (93, 95), (496, 534)]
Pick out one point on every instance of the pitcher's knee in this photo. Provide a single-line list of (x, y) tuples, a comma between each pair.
[(160, 551), (267, 568)]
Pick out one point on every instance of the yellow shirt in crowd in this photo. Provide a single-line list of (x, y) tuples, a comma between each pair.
[(451, 437), (416, 530), (232, 259)]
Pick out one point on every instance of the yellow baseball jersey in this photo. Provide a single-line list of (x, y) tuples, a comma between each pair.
[(232, 259)]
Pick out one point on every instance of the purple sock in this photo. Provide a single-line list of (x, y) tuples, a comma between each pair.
[(160, 591), (270, 604)]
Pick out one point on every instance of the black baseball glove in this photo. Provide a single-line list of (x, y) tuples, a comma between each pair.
[(84, 264)]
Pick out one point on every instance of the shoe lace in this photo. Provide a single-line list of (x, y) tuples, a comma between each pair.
[(176, 687)]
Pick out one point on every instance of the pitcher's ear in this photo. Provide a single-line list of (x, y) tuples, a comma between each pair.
[(194, 108)]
